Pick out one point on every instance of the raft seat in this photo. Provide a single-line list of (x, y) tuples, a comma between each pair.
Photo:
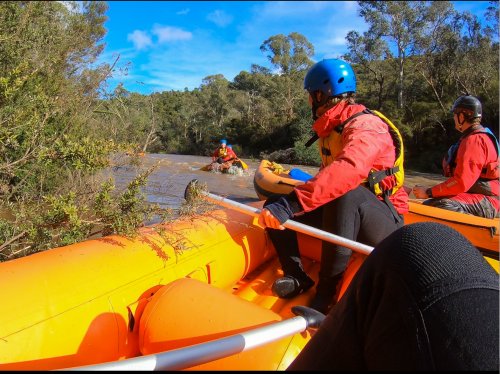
[(187, 311)]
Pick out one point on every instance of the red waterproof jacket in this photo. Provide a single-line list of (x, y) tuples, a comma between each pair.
[(366, 145), (220, 152), (230, 155), (473, 154)]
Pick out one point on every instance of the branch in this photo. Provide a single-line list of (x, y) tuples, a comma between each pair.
[(12, 240)]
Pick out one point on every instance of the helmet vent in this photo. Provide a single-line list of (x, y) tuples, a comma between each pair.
[(340, 80), (326, 81)]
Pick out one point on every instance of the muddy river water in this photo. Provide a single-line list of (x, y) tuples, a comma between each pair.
[(168, 182)]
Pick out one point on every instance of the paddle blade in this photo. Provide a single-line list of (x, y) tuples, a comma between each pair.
[(243, 164), (206, 167)]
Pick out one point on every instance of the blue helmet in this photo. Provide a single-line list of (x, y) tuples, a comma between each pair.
[(333, 77), (223, 141)]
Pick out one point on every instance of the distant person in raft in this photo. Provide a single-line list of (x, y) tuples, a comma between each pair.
[(424, 300), (471, 164), (231, 154), (357, 193), (220, 152), (223, 157)]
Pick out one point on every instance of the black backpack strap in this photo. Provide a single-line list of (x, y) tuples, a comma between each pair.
[(312, 140), (375, 177), (389, 203)]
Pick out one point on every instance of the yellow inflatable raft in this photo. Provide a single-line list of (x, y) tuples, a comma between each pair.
[(111, 300)]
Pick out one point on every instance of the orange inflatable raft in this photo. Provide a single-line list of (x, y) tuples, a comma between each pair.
[(113, 300), (271, 178)]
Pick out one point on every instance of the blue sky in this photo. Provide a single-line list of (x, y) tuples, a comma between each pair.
[(173, 45)]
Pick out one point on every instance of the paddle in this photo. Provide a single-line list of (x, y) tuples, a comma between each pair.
[(206, 167), (193, 189), (201, 353), (243, 164)]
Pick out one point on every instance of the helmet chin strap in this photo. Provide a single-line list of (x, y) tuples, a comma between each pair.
[(317, 104), (460, 124)]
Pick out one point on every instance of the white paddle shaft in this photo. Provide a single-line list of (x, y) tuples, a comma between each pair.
[(293, 225)]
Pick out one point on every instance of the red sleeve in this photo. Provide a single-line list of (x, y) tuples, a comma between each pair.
[(216, 153), (366, 144), (230, 155), (472, 156)]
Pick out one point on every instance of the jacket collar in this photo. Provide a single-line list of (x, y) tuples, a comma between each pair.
[(334, 117)]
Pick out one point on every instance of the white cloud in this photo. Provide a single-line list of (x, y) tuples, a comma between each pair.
[(220, 18), (140, 39), (174, 66), (169, 34), (183, 12), (324, 23)]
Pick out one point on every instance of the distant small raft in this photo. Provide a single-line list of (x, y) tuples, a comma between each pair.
[(226, 167), (270, 178)]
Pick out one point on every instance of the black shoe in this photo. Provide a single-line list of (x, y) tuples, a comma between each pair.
[(326, 293), (287, 287), (321, 304)]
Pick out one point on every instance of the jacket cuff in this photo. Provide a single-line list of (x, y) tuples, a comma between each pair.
[(429, 192), (283, 207)]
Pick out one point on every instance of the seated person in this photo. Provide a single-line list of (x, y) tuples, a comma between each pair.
[(471, 164), (231, 155), (220, 152)]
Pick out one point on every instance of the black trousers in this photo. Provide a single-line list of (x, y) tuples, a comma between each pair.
[(358, 215), (424, 299)]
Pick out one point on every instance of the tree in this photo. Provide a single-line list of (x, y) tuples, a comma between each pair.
[(52, 144), (48, 88), (369, 54), (398, 22), (290, 55)]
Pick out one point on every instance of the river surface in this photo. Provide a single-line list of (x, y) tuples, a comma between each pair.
[(166, 185)]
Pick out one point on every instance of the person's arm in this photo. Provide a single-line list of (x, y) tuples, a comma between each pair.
[(422, 192), (471, 156), (362, 149), (215, 155), (230, 156), (349, 169)]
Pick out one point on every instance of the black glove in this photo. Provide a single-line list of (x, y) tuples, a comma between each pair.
[(283, 207), (220, 160)]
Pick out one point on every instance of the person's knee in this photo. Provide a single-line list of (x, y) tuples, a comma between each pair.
[(353, 198), (427, 252), (444, 203)]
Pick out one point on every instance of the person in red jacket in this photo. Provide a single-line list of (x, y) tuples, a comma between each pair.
[(357, 194), (231, 155), (471, 164), (220, 152)]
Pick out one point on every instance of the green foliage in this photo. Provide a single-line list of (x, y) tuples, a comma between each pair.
[(54, 139), (306, 156), (68, 218), (290, 53)]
